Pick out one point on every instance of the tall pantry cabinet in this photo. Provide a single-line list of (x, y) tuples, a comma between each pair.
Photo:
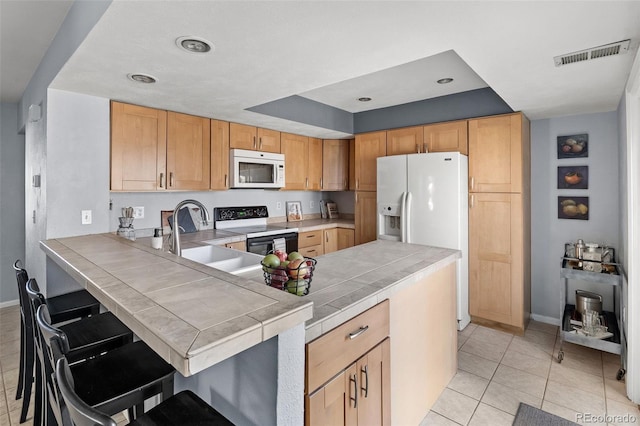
[(368, 147), (499, 220)]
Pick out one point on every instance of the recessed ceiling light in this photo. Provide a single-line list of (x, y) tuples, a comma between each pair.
[(364, 99), (142, 78), (445, 80), (193, 44)]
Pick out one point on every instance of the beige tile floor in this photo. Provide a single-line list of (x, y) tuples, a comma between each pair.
[(496, 371)]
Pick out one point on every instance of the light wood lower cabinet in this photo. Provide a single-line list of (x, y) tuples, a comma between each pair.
[(310, 243), (238, 245), (346, 238), (348, 372), (366, 216), (330, 242)]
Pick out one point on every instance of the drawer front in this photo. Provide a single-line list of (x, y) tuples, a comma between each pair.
[(308, 239), (332, 352), (313, 251)]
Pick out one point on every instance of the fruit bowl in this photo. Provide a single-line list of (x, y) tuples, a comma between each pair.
[(294, 278)]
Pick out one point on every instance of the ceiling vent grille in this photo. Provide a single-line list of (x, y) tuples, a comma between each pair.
[(613, 49)]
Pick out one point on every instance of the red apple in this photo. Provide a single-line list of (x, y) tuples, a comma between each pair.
[(281, 255), (298, 269)]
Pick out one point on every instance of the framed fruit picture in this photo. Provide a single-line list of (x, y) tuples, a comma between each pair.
[(573, 146), (573, 177), (573, 208)]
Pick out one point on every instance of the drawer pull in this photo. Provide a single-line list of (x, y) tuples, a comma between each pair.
[(311, 236), (354, 380), (365, 370), (359, 332)]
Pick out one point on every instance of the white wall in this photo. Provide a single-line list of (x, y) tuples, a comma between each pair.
[(548, 233), (11, 201)]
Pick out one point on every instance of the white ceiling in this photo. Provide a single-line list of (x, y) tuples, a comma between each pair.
[(336, 51)]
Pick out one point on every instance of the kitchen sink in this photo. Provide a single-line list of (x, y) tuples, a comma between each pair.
[(225, 259)]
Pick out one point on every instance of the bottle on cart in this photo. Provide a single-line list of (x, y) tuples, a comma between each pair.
[(580, 246)]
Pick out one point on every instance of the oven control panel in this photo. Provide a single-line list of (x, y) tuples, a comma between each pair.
[(239, 213)]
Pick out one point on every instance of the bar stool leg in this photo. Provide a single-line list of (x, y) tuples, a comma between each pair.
[(28, 378), (20, 387)]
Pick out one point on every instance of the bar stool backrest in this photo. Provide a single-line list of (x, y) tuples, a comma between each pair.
[(21, 278), (81, 413)]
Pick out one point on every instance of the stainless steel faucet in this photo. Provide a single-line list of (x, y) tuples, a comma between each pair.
[(175, 240)]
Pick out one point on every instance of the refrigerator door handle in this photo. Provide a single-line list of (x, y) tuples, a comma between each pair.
[(407, 216), (403, 222)]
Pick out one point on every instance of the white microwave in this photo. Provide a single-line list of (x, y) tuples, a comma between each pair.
[(256, 169)]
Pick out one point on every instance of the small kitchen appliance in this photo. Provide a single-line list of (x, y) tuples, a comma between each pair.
[(252, 222), (256, 169), (588, 301), (126, 228)]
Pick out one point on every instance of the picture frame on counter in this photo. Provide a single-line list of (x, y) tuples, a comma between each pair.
[(294, 211), (573, 177), (573, 208), (573, 146)]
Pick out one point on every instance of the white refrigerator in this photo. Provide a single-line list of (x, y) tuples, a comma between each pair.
[(423, 199)]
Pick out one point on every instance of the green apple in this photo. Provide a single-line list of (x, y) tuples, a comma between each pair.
[(296, 287), (269, 262), (295, 255)]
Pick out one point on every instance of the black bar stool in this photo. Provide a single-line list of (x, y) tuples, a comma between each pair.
[(77, 304), (88, 337), (182, 409), (121, 379)]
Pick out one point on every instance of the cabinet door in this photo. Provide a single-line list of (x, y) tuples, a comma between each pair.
[(296, 159), (330, 240), (314, 172), (138, 148), (188, 151), (405, 141), (219, 155), (367, 388), (495, 154), (242, 136), (346, 238), (366, 216), (268, 140), (335, 164), (327, 405), (446, 137), (369, 146), (496, 257), (352, 165)]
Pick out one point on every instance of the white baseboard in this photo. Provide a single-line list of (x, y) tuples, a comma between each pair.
[(546, 320), (9, 303)]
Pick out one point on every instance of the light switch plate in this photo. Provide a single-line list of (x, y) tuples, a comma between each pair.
[(86, 217)]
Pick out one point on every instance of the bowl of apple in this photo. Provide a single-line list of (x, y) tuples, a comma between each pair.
[(290, 272)]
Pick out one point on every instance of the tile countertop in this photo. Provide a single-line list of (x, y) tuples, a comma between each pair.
[(192, 315), (348, 282), (195, 316)]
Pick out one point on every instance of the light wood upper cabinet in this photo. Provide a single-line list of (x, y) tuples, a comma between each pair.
[(316, 161), (496, 260), (405, 141), (219, 155), (446, 137), (335, 164), (188, 152), (253, 138), (496, 147), (157, 150), (366, 216), (138, 148), (296, 159), (369, 146)]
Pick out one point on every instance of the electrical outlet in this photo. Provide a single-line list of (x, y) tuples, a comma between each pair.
[(86, 217), (278, 205), (312, 204), (138, 212)]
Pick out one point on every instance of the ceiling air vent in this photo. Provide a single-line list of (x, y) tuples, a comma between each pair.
[(612, 49)]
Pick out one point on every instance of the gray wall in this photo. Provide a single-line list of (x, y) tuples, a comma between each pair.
[(11, 201), (548, 233)]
